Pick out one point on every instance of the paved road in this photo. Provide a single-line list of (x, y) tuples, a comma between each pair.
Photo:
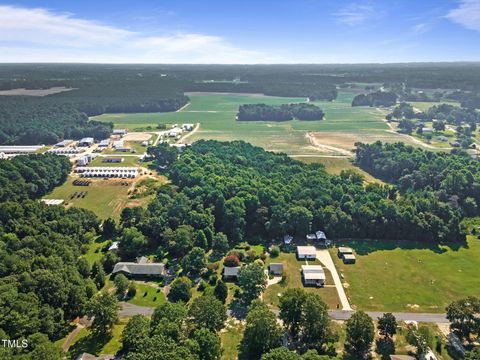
[(323, 255), (130, 310)]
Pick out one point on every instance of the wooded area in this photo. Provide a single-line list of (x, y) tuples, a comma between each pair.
[(285, 112)]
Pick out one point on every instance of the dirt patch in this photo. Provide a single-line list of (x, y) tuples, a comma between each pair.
[(316, 141), (137, 136), (34, 92)]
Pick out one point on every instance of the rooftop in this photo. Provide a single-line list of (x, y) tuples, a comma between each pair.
[(313, 272), (140, 269), (307, 250), (345, 250), (231, 271)]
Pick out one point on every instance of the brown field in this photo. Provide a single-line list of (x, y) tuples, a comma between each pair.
[(34, 92), (137, 136)]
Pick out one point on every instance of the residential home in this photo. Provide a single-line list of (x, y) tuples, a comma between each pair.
[(231, 272), (306, 252), (313, 275), (141, 268)]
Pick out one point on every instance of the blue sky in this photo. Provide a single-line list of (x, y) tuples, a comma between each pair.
[(261, 31)]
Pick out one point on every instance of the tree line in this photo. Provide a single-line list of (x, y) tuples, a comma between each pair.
[(285, 112), (375, 99), (452, 178)]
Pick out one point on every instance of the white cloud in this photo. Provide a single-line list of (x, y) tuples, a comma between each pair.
[(467, 14), (40, 35), (356, 14)]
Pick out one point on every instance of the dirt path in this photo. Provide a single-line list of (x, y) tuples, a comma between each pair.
[(68, 342), (326, 148), (190, 133), (183, 107)]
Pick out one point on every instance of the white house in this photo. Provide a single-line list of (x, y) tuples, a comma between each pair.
[(306, 252), (313, 275)]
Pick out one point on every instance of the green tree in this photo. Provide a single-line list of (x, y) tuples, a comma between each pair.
[(281, 353), (472, 355), (209, 344), (98, 275), (208, 312), (291, 309), (387, 325), (137, 329), (262, 332), (109, 228), (103, 308), (220, 243), (252, 280), (194, 262), (132, 242), (462, 315), (181, 289), (360, 335), (83, 267), (163, 153), (299, 220), (221, 291), (172, 312), (121, 283), (109, 260)]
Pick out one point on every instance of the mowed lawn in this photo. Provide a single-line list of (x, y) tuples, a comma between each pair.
[(291, 269), (216, 115), (106, 198), (407, 276)]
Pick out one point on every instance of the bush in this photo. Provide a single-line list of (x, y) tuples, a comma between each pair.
[(132, 290), (231, 260), (274, 251)]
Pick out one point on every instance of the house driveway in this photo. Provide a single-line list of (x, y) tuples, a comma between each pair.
[(323, 255)]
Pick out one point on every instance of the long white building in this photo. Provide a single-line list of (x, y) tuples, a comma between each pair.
[(106, 171)]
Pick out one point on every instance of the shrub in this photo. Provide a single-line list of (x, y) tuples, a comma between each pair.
[(231, 260), (274, 251)]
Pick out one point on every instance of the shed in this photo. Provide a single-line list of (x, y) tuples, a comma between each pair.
[(313, 275), (104, 143), (349, 259), (306, 252), (287, 239), (311, 237), (120, 132), (342, 250), (231, 272), (114, 246), (64, 143), (276, 268), (320, 235)]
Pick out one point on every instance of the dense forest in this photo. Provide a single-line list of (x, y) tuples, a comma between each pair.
[(453, 178), (27, 121), (43, 284), (378, 98), (285, 112), (244, 192)]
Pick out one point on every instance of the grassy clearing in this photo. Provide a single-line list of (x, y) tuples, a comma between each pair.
[(147, 296), (231, 337), (94, 252), (408, 276), (293, 280), (128, 161)]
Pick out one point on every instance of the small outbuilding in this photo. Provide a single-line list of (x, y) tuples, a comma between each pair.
[(313, 275), (342, 250), (275, 268), (349, 259), (87, 141), (306, 252), (311, 237), (231, 272), (287, 239), (114, 246)]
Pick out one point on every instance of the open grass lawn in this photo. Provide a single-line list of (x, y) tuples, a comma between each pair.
[(95, 250), (95, 346), (147, 296), (291, 269), (230, 338), (407, 276), (128, 161)]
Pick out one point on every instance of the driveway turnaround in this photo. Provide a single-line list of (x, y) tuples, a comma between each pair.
[(323, 255)]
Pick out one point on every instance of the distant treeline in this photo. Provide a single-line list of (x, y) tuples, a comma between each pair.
[(452, 179), (285, 112), (26, 120), (378, 98)]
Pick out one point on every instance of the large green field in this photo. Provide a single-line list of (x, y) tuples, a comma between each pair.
[(216, 115), (408, 276)]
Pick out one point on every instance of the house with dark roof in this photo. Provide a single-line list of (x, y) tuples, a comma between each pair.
[(275, 268), (139, 268), (231, 272)]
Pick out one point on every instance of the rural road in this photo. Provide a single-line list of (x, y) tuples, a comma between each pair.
[(130, 310)]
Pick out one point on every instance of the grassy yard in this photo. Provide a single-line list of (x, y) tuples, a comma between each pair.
[(292, 268), (128, 161), (407, 276), (231, 337), (95, 253), (147, 296)]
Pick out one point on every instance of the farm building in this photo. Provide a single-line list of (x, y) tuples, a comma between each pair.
[(427, 130), (188, 127), (275, 268), (231, 272), (85, 160), (139, 268), (118, 144), (20, 149), (87, 141), (104, 143), (306, 252), (120, 132), (175, 132), (66, 151), (112, 159), (313, 275), (52, 201), (320, 235), (349, 259), (105, 172), (64, 143), (343, 251), (311, 237), (287, 239)]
